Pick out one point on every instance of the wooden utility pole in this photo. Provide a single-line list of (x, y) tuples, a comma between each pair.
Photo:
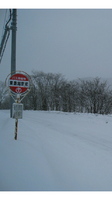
[(13, 50)]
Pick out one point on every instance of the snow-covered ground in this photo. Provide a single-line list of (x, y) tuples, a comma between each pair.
[(56, 151)]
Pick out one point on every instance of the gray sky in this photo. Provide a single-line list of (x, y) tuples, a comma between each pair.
[(74, 42)]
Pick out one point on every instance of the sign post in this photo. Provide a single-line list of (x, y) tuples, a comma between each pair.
[(19, 86)]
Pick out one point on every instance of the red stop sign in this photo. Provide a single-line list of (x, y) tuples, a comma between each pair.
[(19, 83)]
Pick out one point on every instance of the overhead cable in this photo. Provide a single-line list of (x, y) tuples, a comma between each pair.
[(5, 38)]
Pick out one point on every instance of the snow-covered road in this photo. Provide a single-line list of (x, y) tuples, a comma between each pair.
[(56, 151)]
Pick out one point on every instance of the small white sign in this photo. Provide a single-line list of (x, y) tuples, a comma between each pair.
[(17, 112)]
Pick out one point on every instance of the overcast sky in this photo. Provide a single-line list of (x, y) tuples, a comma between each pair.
[(74, 42)]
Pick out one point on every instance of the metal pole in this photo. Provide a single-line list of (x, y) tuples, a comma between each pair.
[(16, 129), (13, 50), (16, 120)]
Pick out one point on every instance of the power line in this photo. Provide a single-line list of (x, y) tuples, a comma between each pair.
[(5, 37), (4, 22), (3, 43)]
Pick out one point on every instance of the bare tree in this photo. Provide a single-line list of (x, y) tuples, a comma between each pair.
[(95, 95), (53, 92), (48, 88)]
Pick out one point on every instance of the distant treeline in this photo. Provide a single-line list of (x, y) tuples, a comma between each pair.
[(53, 92)]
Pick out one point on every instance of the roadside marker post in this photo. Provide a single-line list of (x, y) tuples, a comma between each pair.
[(19, 85)]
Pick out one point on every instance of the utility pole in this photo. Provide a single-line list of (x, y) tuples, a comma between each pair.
[(13, 50)]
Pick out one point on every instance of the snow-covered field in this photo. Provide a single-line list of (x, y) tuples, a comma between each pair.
[(56, 151)]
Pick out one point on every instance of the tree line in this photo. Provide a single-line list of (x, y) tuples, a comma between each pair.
[(51, 91)]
